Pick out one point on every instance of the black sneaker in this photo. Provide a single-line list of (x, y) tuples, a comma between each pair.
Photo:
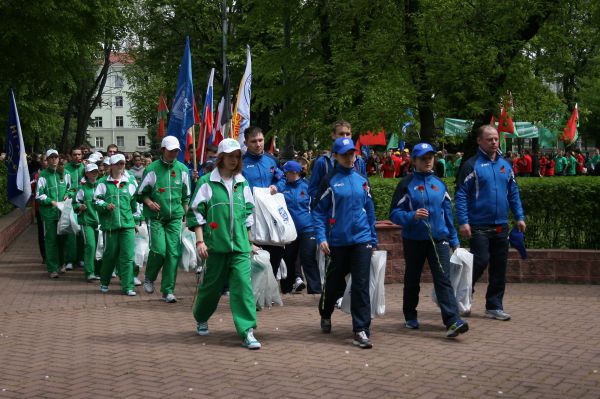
[(326, 325), (361, 339)]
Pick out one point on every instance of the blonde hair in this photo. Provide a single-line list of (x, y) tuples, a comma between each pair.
[(220, 163)]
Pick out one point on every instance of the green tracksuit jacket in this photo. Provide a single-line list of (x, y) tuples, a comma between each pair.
[(167, 184), (85, 195), (121, 193), (225, 216), (76, 171), (51, 186)]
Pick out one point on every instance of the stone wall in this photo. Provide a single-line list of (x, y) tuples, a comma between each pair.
[(12, 225), (542, 265)]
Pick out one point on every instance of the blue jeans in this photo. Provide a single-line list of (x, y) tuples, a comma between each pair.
[(356, 260), (415, 253), (489, 244), (305, 246)]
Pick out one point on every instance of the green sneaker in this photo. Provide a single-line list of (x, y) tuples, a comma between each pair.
[(459, 327)]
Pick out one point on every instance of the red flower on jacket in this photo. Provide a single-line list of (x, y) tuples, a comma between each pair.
[(302, 194), (213, 225), (498, 229), (173, 173), (365, 186), (502, 169), (421, 188), (434, 187), (332, 221), (161, 190), (273, 169), (122, 184)]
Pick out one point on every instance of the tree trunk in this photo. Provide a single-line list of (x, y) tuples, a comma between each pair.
[(64, 146)]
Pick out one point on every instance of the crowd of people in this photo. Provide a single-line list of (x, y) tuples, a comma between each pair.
[(115, 195)]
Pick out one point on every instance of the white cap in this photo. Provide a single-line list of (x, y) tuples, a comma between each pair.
[(115, 159), (106, 161), (90, 167), (170, 143), (51, 152), (95, 157), (228, 146)]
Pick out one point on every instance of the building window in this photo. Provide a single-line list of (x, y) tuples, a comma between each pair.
[(120, 141), (118, 81), (119, 121), (141, 141), (97, 122), (99, 142), (119, 101)]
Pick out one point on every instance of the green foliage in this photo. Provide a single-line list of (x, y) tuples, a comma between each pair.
[(5, 205), (560, 212)]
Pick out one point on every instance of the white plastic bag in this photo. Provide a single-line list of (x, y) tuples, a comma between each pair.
[(188, 260), (142, 245), (282, 271), (376, 286), (264, 285), (100, 244), (461, 278), (273, 224), (67, 223), (323, 261)]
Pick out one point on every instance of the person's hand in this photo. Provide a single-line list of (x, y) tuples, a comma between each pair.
[(521, 226), (454, 248), (325, 248), (82, 207), (54, 204), (110, 207), (421, 213), (202, 250), (273, 189), (152, 205), (465, 230), (255, 249)]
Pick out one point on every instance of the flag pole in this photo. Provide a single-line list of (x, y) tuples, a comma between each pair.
[(194, 147)]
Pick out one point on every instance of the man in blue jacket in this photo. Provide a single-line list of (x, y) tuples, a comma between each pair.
[(485, 190), (261, 170), (324, 164)]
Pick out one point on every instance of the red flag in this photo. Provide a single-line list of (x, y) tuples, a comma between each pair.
[(162, 115), (207, 123), (492, 121), (570, 134), (217, 135), (505, 123), (371, 138), (273, 145)]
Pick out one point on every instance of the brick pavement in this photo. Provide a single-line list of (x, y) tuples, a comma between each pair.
[(63, 338)]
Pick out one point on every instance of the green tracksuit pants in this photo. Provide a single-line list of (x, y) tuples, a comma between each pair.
[(165, 251), (55, 246), (235, 269), (118, 249), (90, 240), (74, 249)]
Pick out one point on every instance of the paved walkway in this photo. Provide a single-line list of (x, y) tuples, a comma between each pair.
[(63, 338)]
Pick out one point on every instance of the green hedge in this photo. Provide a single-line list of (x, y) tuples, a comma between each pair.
[(5, 206), (561, 212)]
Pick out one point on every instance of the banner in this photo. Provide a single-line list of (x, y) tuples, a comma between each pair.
[(18, 182), (241, 113)]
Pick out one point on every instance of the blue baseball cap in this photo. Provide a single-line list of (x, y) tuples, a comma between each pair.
[(292, 166), (421, 149), (517, 241), (343, 145)]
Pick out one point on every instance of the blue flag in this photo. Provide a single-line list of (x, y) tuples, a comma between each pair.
[(182, 112), (19, 185)]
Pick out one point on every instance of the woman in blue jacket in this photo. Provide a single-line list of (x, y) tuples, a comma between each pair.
[(421, 205), (295, 190), (344, 220)]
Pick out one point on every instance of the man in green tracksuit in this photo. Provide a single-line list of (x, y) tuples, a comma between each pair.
[(117, 206), (571, 164), (165, 193), (75, 169), (560, 164), (83, 204), (52, 187), (221, 213)]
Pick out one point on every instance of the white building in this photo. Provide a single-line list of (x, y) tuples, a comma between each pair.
[(111, 122)]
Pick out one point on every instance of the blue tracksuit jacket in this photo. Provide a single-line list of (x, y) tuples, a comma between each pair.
[(298, 203), (260, 170)]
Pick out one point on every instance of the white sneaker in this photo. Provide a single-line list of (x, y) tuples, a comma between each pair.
[(148, 286), (202, 328), (338, 303), (104, 289), (298, 285), (136, 282), (69, 266), (250, 342), (131, 293), (169, 298), (113, 275), (81, 264)]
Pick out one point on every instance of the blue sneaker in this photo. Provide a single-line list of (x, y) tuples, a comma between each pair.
[(459, 327), (250, 342), (412, 324), (202, 328)]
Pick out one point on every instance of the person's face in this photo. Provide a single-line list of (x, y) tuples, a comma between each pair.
[(489, 141), (52, 161), (256, 144), (341, 131), (292, 176), (231, 160), (85, 151), (424, 163), (111, 151), (91, 176), (137, 161), (346, 160), (76, 156), (170, 156), (118, 168)]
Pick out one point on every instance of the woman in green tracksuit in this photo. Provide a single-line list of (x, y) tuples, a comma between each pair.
[(88, 219), (165, 193), (221, 214), (52, 187), (117, 210)]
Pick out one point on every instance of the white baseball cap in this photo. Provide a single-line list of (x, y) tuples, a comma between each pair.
[(51, 152), (228, 146), (90, 167), (115, 159), (170, 143), (95, 157)]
